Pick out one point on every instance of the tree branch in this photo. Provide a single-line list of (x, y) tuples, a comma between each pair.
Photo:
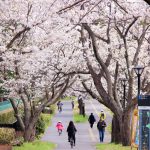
[(9, 45), (70, 6), (98, 58), (130, 25)]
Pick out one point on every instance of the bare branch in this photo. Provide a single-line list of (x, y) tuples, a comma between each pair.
[(120, 6), (29, 10), (85, 15), (70, 6), (93, 95), (130, 25), (17, 36)]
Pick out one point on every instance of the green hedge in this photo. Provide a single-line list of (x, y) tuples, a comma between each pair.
[(7, 135), (42, 124), (7, 117)]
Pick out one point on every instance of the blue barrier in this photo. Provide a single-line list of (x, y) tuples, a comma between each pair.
[(5, 105)]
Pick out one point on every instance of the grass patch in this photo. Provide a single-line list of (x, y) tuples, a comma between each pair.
[(112, 146), (37, 145), (109, 128), (76, 116), (79, 118)]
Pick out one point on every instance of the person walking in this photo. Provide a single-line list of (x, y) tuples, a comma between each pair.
[(91, 120), (101, 128), (71, 129), (72, 103), (59, 105), (102, 115)]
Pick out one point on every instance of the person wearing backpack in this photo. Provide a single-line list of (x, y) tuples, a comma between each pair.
[(101, 128)]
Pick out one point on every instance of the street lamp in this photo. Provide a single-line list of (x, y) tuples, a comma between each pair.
[(123, 82), (138, 70)]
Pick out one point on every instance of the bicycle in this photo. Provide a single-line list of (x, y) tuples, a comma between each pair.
[(59, 132), (71, 142)]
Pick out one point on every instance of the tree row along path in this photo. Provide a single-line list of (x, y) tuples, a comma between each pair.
[(86, 138)]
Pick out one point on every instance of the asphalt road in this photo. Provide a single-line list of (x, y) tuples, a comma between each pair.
[(86, 138)]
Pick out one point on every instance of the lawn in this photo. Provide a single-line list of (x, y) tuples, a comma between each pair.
[(112, 147), (37, 145), (76, 116), (79, 118)]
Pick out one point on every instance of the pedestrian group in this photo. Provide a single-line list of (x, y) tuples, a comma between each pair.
[(71, 129)]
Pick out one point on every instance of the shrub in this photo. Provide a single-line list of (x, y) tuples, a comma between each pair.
[(18, 141), (7, 135), (42, 124), (52, 108), (7, 117), (49, 109)]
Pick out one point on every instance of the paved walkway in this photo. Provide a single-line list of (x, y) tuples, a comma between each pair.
[(86, 138)]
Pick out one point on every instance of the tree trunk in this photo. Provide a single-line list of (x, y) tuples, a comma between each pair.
[(30, 130), (116, 131), (29, 134), (121, 130), (126, 128)]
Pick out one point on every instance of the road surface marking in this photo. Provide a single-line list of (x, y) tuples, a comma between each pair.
[(92, 135)]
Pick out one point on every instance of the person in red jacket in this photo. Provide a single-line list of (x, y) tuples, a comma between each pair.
[(59, 127)]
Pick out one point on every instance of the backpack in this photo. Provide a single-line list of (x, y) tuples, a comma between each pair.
[(101, 125)]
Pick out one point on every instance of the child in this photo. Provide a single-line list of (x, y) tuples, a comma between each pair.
[(59, 127)]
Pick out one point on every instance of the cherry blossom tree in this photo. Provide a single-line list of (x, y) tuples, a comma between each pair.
[(46, 45), (34, 65), (114, 38)]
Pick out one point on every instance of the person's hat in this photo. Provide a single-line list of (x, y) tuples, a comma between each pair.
[(59, 121), (102, 111)]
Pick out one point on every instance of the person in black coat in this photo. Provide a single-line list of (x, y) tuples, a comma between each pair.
[(71, 129), (91, 120)]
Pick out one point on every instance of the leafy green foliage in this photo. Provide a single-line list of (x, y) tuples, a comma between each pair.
[(6, 135), (3, 92), (10, 74), (42, 124)]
